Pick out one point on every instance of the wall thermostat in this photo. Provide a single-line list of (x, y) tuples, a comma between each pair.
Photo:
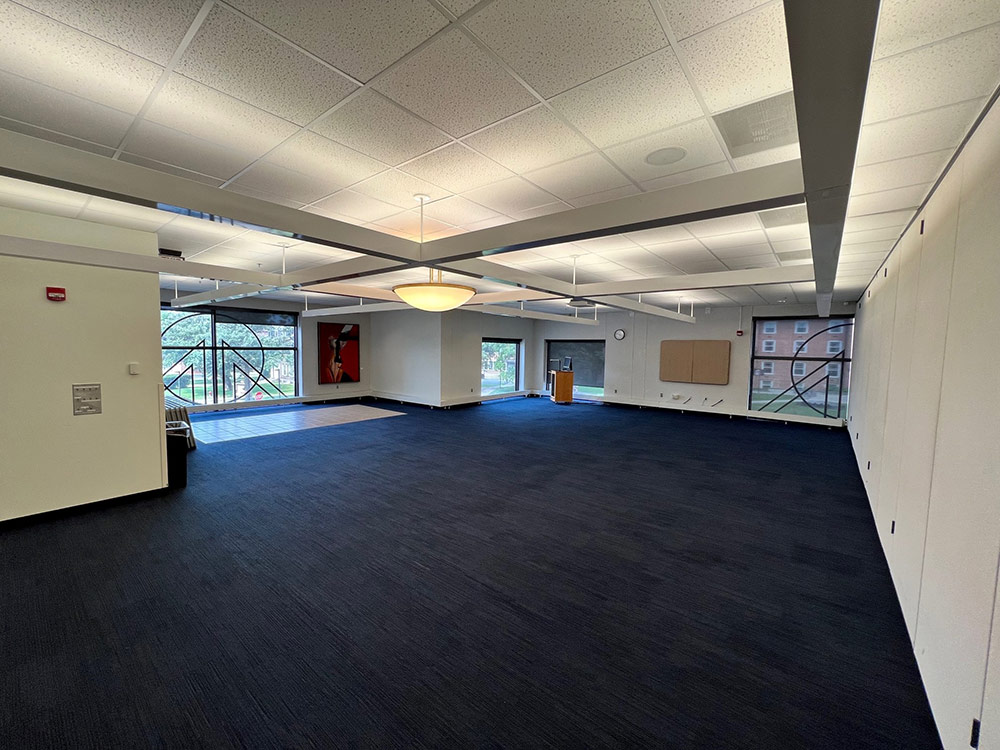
[(620, 334)]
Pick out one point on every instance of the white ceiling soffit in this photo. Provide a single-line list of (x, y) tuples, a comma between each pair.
[(830, 49), (767, 187), (29, 158)]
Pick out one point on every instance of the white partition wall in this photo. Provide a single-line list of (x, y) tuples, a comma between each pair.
[(925, 411), (49, 458)]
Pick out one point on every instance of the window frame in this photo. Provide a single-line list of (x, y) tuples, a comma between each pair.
[(765, 350), (519, 343), (213, 348), (834, 342), (796, 330), (842, 384)]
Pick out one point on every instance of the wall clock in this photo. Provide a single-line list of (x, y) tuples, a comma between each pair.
[(620, 334)]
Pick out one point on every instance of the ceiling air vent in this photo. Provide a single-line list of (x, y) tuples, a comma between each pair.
[(171, 253), (760, 126)]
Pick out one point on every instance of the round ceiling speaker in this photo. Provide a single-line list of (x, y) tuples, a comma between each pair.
[(664, 156)]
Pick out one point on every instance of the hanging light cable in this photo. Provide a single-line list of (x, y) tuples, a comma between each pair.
[(431, 295)]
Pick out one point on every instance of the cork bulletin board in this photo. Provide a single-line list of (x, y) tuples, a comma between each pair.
[(705, 361)]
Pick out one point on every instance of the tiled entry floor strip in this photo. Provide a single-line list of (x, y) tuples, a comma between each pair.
[(255, 425)]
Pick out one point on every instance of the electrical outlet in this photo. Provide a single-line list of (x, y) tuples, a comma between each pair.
[(675, 396)]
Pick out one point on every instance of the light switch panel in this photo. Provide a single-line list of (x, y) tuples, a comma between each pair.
[(86, 399)]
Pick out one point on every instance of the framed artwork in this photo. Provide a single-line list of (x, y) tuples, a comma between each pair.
[(339, 353)]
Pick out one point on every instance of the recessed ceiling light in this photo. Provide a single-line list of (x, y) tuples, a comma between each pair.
[(663, 156)]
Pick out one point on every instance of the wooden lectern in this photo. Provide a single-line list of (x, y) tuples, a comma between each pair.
[(561, 386)]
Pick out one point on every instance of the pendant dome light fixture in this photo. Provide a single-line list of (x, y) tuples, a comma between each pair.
[(431, 295)]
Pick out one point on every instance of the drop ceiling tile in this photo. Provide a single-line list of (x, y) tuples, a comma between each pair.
[(705, 266), (234, 56), (904, 25), (724, 225), (752, 261), (354, 205), (689, 251), (659, 235), (887, 200), (456, 168), (455, 85), (869, 235), (162, 144), (734, 239), (875, 247), (767, 157), (458, 211), (645, 96), (320, 157), (203, 112), (741, 61), (378, 127), (685, 178), (458, 7), (696, 139), (510, 196), (535, 138), (151, 29), (399, 188), (899, 173), (604, 196), (952, 71), (741, 251), (580, 176), (170, 169), (187, 233), (688, 17), (360, 38), (877, 221), (788, 246), (788, 232), (555, 46), (50, 108), (40, 49), (934, 130), (287, 183)]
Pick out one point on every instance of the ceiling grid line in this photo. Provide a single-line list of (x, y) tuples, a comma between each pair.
[(168, 70)]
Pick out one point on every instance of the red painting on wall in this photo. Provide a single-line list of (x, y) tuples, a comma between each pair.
[(339, 353)]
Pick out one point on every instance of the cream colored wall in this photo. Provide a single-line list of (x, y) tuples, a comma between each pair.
[(50, 459), (925, 423), (632, 365)]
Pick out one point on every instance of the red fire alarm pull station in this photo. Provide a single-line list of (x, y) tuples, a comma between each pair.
[(55, 293)]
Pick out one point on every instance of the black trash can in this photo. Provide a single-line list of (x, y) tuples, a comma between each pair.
[(177, 450)]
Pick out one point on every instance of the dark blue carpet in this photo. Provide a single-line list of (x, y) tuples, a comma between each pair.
[(513, 575)]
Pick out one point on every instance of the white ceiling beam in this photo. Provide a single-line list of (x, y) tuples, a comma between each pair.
[(351, 290), (513, 312), (25, 157), (223, 294), (714, 280), (329, 312), (505, 274), (830, 49), (21, 247), (755, 189), (364, 265), (623, 303), (514, 295)]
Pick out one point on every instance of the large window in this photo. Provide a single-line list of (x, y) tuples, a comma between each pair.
[(814, 385), (215, 356), (588, 364), (501, 366)]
